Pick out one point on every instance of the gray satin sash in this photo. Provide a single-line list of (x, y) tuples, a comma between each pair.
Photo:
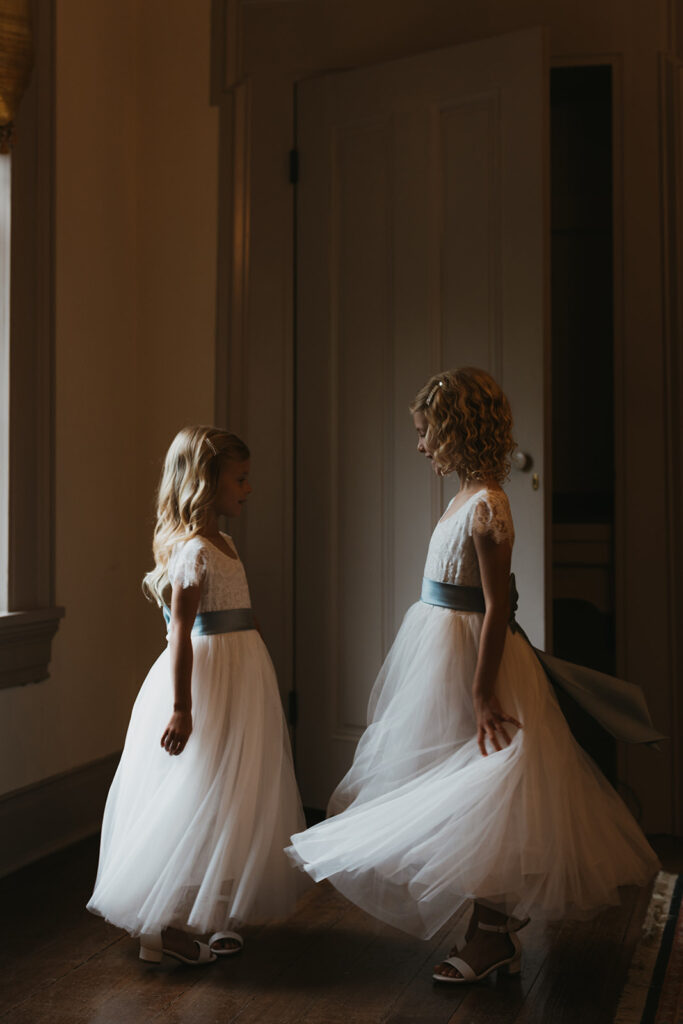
[(228, 620), (618, 706), (450, 595)]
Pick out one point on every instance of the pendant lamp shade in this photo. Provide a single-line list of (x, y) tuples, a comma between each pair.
[(16, 61)]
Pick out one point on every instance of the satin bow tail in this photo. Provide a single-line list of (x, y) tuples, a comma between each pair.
[(618, 706)]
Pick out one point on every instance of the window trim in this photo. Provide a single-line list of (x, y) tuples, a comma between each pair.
[(31, 619)]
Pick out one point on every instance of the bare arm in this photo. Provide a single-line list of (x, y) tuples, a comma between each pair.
[(494, 566), (184, 605)]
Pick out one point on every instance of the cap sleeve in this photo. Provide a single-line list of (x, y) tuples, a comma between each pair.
[(491, 517), (187, 564)]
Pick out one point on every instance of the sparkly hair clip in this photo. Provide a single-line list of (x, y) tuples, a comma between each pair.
[(430, 396)]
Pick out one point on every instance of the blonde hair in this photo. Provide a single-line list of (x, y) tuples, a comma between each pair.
[(469, 424), (186, 492)]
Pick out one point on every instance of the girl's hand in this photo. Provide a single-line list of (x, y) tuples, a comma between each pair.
[(490, 723), (177, 732)]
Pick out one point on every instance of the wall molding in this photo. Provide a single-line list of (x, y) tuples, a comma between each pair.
[(38, 820)]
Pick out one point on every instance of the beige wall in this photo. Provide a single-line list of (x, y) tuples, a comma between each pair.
[(136, 204)]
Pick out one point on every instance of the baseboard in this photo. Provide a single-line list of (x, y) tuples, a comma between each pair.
[(51, 814)]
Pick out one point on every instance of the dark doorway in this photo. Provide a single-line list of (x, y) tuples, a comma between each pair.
[(582, 381)]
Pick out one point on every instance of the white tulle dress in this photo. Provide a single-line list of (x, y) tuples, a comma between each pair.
[(423, 822), (196, 840)]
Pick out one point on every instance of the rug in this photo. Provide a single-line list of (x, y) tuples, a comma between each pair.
[(653, 993)]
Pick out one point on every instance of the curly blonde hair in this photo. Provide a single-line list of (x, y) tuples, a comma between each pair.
[(186, 492), (469, 424)]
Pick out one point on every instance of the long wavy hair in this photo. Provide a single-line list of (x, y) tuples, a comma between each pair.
[(469, 424), (186, 493)]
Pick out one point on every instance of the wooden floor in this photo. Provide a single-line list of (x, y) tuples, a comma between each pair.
[(329, 964)]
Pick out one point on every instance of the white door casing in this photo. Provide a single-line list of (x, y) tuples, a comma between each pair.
[(421, 240)]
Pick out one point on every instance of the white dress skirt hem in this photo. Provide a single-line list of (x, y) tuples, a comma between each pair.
[(423, 822), (196, 840)]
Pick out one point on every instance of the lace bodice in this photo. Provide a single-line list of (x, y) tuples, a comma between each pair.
[(223, 579), (452, 557)]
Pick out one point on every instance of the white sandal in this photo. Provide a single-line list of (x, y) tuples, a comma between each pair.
[(218, 936), (152, 949), (511, 964)]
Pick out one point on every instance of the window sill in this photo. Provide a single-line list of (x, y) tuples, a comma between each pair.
[(25, 645)]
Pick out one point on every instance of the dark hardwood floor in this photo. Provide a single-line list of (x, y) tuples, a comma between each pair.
[(328, 964)]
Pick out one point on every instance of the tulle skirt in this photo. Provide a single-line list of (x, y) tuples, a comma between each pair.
[(423, 822), (196, 840)]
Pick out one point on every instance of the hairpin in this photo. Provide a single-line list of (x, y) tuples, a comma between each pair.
[(430, 396)]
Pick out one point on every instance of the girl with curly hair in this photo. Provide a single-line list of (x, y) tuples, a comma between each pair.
[(204, 797), (467, 784)]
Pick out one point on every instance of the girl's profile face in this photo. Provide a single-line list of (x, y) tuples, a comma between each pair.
[(422, 428), (233, 488)]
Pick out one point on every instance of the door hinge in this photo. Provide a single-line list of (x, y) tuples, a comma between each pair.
[(293, 166), (293, 707)]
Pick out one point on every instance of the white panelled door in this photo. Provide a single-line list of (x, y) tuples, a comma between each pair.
[(421, 232)]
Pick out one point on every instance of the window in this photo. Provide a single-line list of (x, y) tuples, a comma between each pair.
[(28, 616)]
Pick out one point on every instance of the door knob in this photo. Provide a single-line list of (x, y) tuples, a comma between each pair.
[(520, 460)]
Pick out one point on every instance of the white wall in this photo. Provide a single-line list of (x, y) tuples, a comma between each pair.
[(136, 203)]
